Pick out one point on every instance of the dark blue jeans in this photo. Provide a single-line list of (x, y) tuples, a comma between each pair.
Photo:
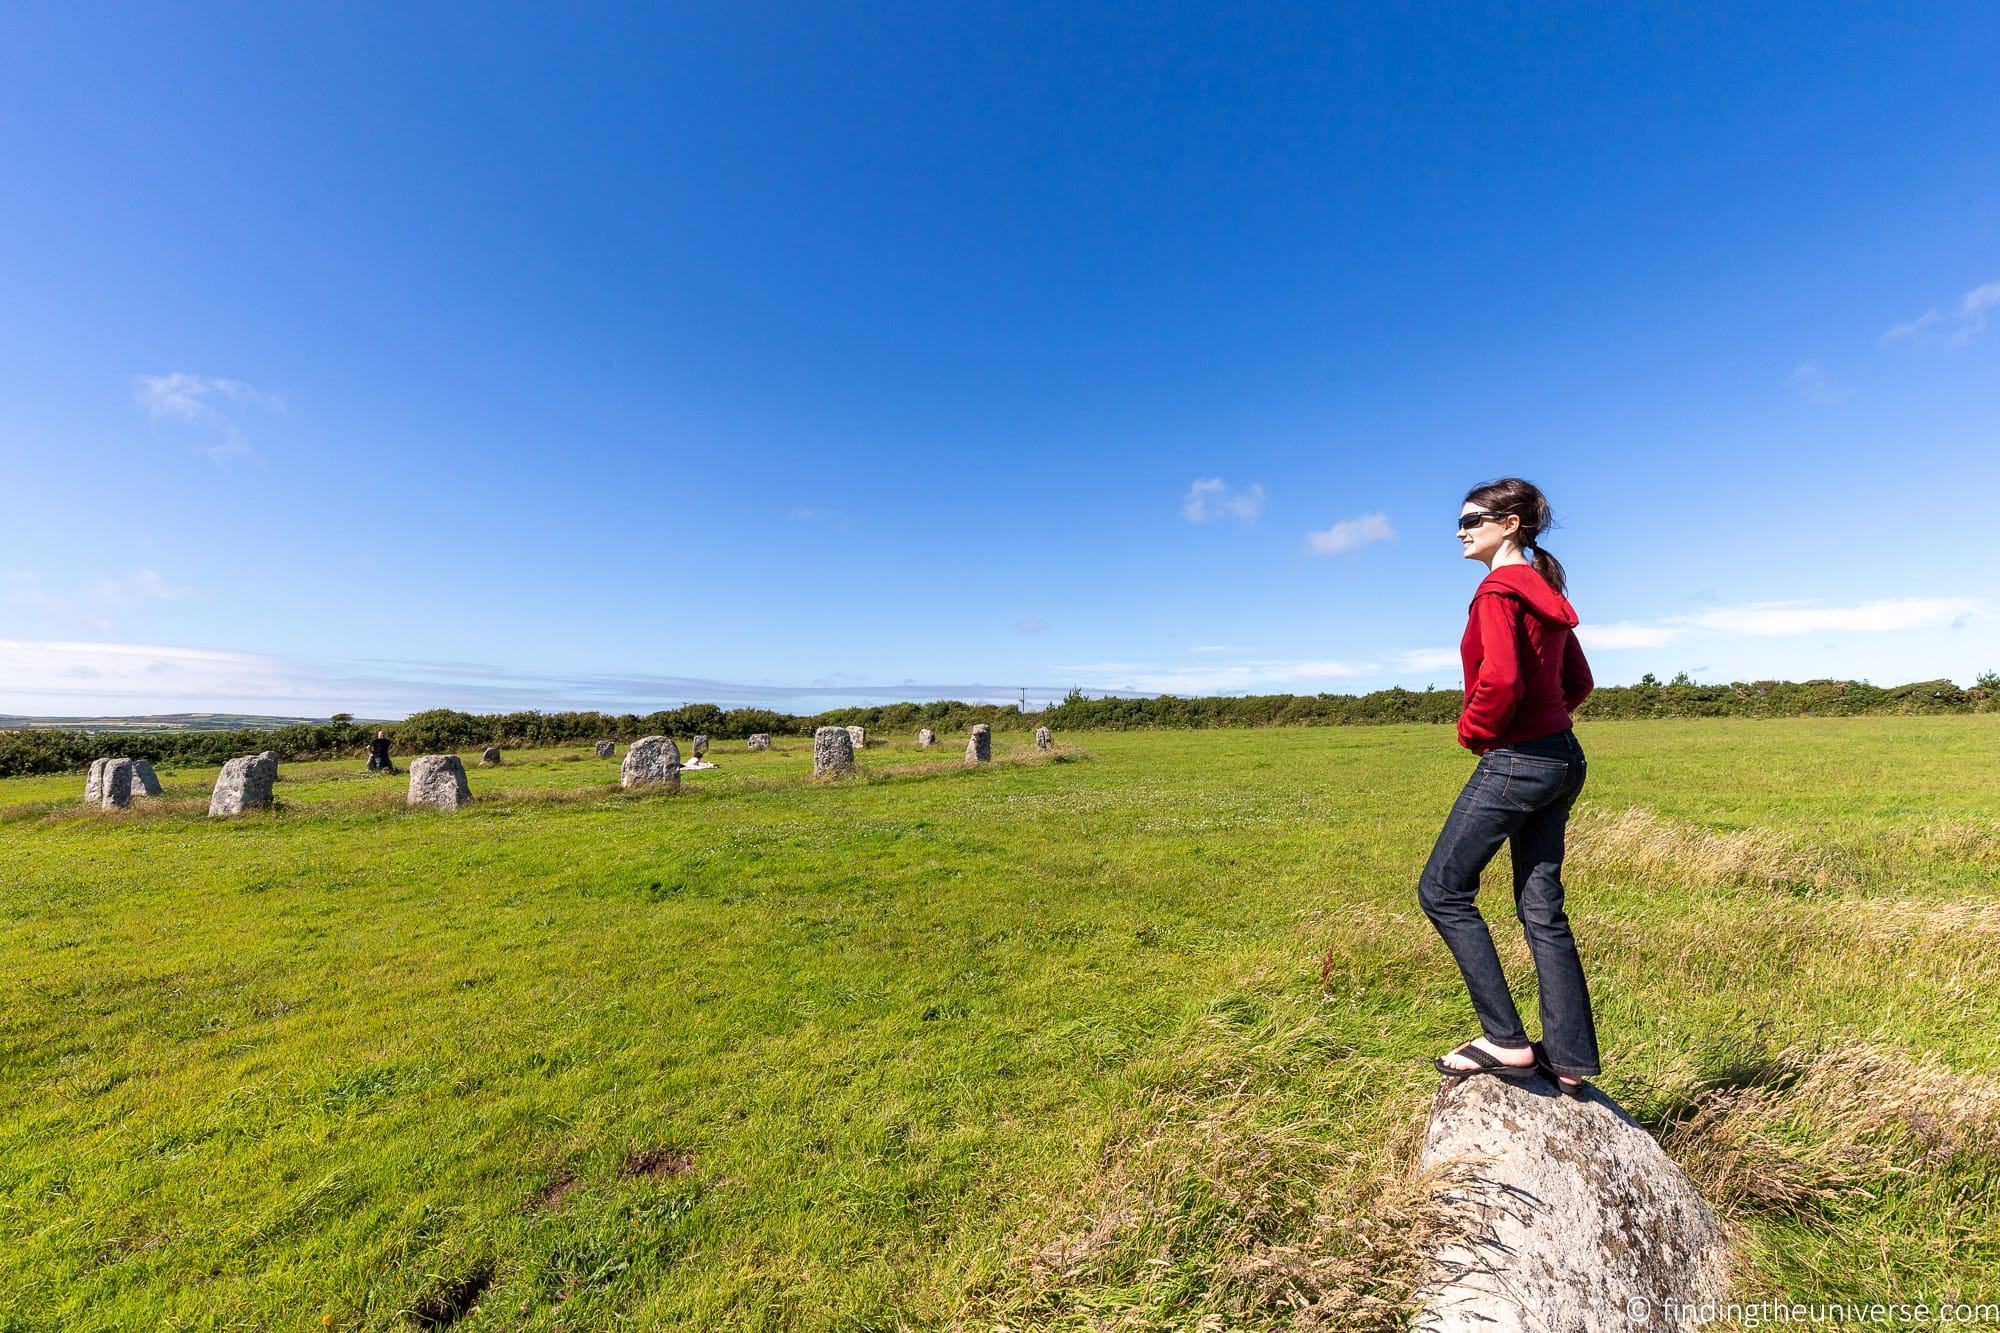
[(1519, 794)]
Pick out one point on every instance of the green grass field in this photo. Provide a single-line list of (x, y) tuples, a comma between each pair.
[(1134, 1038)]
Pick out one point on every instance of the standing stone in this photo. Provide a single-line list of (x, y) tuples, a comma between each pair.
[(833, 752), (1043, 740), (438, 781), (650, 761), (858, 736), (979, 750), (93, 786), (700, 746), (244, 783), (926, 738), (760, 740), (116, 784), (605, 749), (490, 756), (144, 778), (1576, 1216)]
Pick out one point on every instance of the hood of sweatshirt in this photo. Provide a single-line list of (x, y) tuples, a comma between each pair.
[(1533, 591)]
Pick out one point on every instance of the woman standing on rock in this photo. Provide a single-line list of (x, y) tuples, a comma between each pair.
[(1524, 675)]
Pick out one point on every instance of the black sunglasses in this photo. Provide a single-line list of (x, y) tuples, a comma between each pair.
[(1477, 517)]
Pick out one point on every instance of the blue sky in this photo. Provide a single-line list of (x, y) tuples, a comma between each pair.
[(376, 358)]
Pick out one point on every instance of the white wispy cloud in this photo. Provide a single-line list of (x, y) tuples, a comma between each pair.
[(1211, 678), (1811, 382), (1350, 534), (1210, 498), (1887, 615), (195, 399), (190, 397), (69, 677), (79, 677), (1756, 620), (166, 678), (1626, 634), (1884, 616), (20, 587), (1428, 659), (141, 585), (1955, 326)]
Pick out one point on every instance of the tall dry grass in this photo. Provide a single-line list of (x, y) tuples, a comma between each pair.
[(1807, 1126), (1229, 1207), (1644, 844)]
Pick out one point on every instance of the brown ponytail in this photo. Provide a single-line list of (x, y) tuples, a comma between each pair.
[(1525, 501)]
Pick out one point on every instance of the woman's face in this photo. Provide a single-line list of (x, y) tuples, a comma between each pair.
[(1483, 540)]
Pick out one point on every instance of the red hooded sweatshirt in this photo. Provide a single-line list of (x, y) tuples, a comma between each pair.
[(1524, 670)]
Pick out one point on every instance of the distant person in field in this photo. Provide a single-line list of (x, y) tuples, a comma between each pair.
[(1524, 675), (378, 754)]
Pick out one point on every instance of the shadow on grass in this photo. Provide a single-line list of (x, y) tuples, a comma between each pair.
[(1724, 1066)]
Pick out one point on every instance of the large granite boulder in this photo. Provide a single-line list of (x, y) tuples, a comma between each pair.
[(651, 761), (93, 786), (605, 749), (115, 784), (833, 752), (244, 784), (144, 780), (979, 748), (438, 781), (1043, 740), (1577, 1219), (760, 740), (926, 738), (490, 757), (699, 747), (859, 736)]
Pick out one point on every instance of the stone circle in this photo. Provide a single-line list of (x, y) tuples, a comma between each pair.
[(438, 782), (979, 749), (651, 761), (244, 784), (116, 784), (833, 752)]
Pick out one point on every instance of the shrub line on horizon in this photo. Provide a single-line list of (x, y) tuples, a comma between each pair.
[(444, 730)]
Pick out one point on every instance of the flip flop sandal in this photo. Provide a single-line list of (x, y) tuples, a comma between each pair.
[(1579, 1090), (1488, 1064)]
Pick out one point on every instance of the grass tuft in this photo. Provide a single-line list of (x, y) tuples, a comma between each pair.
[(452, 1301), (1639, 842), (1805, 1129)]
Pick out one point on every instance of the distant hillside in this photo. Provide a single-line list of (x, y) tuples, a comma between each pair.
[(153, 722)]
